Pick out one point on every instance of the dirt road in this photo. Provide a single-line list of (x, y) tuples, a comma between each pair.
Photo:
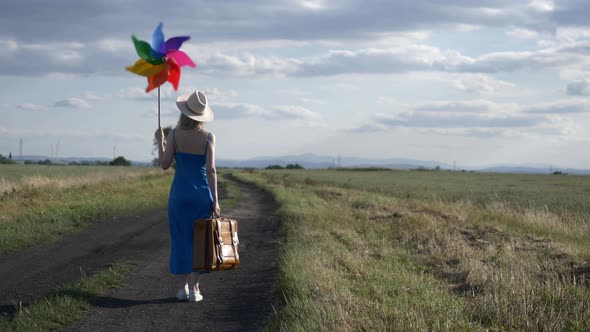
[(239, 300)]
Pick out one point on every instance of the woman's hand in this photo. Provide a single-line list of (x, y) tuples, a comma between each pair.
[(216, 209), (159, 134)]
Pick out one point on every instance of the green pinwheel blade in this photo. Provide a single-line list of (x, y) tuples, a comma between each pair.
[(144, 50)]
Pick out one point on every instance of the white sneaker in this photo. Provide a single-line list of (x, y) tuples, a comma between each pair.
[(194, 296), (182, 294)]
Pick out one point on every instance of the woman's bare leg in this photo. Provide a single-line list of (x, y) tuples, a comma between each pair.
[(195, 276), (184, 280)]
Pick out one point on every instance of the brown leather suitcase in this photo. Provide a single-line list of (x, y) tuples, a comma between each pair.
[(215, 244)]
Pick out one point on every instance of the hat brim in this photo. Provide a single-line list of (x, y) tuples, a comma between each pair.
[(207, 115)]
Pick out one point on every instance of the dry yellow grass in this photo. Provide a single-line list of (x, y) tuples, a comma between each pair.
[(40, 181)]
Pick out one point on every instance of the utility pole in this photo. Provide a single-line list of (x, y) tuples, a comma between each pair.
[(57, 149), (20, 147), (454, 165), (114, 150)]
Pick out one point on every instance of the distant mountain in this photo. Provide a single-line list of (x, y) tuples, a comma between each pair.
[(317, 161), (314, 161), (309, 160)]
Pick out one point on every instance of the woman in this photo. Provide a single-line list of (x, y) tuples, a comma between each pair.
[(193, 194)]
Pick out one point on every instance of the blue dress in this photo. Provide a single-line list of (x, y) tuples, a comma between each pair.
[(190, 198)]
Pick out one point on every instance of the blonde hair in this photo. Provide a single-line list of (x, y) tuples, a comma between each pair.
[(184, 122)]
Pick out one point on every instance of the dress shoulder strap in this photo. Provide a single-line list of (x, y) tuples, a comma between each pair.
[(207, 144), (175, 145)]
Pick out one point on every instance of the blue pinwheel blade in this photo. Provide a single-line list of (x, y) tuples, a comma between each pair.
[(158, 44)]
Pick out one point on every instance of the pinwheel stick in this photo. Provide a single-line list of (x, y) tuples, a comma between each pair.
[(158, 107)]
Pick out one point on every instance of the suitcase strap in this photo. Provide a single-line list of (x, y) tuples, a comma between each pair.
[(219, 243), (234, 240)]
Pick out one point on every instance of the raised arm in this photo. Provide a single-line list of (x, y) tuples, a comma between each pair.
[(165, 155), (212, 174)]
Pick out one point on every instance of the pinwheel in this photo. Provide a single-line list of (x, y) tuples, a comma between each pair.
[(161, 61)]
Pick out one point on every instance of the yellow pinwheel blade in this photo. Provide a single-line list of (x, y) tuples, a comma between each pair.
[(144, 68)]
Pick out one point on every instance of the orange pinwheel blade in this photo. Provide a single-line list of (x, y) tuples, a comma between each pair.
[(144, 68), (158, 79)]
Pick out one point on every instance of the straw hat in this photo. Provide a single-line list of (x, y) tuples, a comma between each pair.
[(195, 106)]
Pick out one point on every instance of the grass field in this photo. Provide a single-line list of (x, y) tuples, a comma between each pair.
[(66, 198), (45, 202), (17, 172), (17, 177), (406, 251), (555, 192)]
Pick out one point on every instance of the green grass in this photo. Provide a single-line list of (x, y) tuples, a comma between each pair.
[(67, 305), (17, 172), (58, 211), (228, 191), (35, 215), (364, 258), (557, 193)]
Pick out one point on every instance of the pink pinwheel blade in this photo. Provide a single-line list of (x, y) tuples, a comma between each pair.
[(174, 43), (181, 58), (174, 73)]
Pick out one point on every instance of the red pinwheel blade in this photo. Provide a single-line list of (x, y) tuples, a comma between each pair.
[(174, 73), (158, 79), (181, 58)]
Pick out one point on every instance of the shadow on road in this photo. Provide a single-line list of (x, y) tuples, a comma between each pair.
[(113, 302)]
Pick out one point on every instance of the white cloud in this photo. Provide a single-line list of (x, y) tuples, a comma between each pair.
[(134, 93), (89, 95), (275, 113), (293, 112), (403, 59), (523, 33), (32, 107), (558, 107), (306, 100), (72, 102), (480, 84), (461, 106), (481, 118), (73, 133), (220, 95), (77, 58), (456, 120), (247, 64), (579, 87)]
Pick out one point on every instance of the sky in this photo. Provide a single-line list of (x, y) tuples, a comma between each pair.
[(477, 82)]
